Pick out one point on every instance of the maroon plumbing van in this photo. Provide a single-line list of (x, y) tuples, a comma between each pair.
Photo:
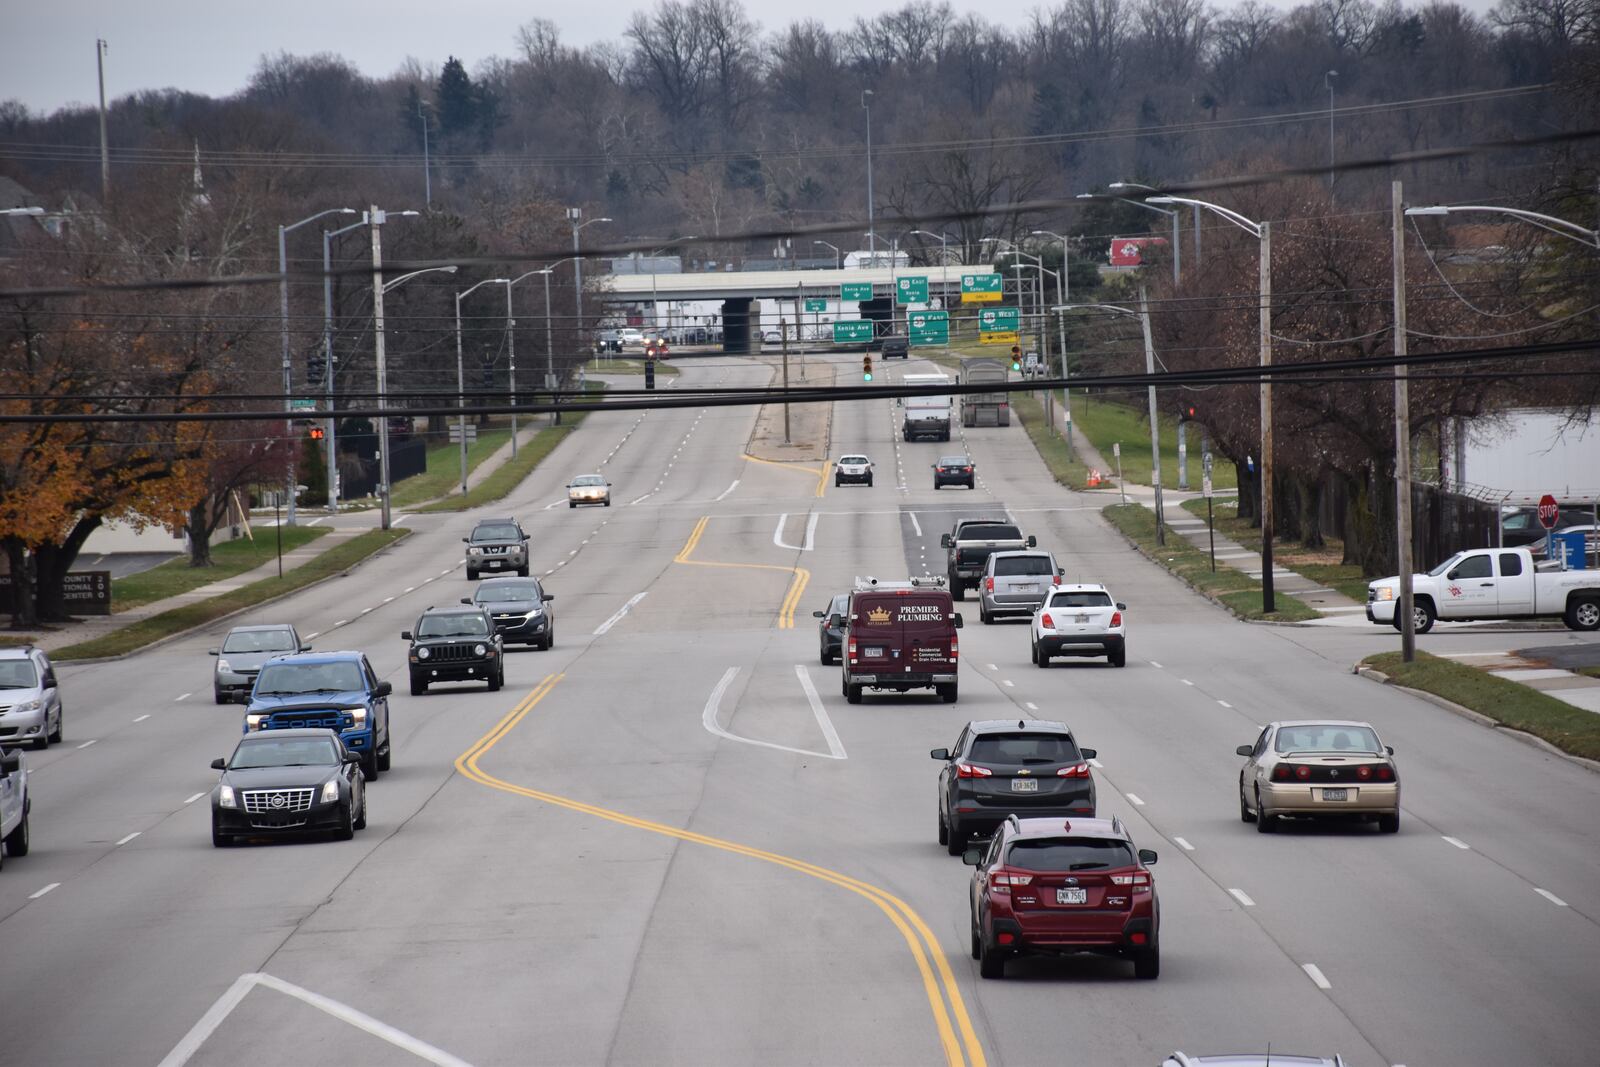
[(900, 636)]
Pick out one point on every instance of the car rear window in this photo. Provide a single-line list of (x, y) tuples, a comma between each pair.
[(497, 532), (1069, 854), (1024, 749), (991, 533), (1023, 565), (1320, 738), (852, 459), (954, 461), (1080, 600)]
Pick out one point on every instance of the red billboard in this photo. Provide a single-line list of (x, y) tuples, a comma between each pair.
[(1129, 251)]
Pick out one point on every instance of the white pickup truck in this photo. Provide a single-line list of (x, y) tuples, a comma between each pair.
[(1491, 583), (14, 804)]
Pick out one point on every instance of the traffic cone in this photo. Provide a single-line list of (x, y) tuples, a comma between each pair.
[(1094, 478)]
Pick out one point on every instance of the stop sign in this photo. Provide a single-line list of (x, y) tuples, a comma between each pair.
[(1548, 511)]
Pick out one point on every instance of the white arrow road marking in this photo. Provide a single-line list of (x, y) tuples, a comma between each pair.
[(811, 534), (708, 719), (835, 746), (600, 630), (723, 495), (185, 1049)]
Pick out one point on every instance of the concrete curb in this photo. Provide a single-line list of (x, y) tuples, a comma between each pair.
[(158, 642), (1478, 717)]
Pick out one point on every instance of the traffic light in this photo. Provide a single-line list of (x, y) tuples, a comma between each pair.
[(649, 373), (1016, 357), (318, 433), (866, 368), (1187, 411), (316, 368), (488, 375)]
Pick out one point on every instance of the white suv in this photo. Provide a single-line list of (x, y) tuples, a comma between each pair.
[(14, 804), (30, 702), (853, 469), (1079, 620)]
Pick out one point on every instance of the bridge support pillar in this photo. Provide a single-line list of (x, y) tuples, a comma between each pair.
[(736, 325)]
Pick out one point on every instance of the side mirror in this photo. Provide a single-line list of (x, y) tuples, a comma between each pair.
[(1245, 750), (818, 614), (1147, 856), (305, 648), (213, 651), (939, 753), (351, 757), (1389, 749), (836, 620), (1088, 753), (466, 540), (10, 762), (1033, 542), (467, 601), (219, 764), (383, 690), (972, 857), (957, 620), (1122, 607), (944, 540), (1061, 571), (405, 635), (548, 597)]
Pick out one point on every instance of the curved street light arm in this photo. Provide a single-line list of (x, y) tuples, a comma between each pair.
[(1252, 228), (391, 283), (1560, 227)]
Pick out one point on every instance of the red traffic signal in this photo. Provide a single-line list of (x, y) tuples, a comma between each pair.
[(318, 433)]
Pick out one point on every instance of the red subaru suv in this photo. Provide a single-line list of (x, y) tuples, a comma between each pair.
[(1059, 886)]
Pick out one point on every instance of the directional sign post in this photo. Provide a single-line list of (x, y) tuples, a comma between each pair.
[(928, 327), (855, 291), (982, 288), (1549, 511), (852, 331), (912, 289), (816, 305)]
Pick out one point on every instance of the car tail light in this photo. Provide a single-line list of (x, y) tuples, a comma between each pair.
[(1282, 772), (852, 650), (1384, 773), (1047, 622), (1303, 773), (1056, 580), (988, 585), (954, 651), (1138, 937), (1076, 770), (1116, 618), (1003, 880), (1138, 879), (1364, 773), (966, 470), (970, 770)]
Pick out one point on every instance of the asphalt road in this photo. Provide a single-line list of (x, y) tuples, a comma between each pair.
[(669, 840)]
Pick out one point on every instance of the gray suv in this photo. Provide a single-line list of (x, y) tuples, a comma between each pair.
[(30, 701), (1016, 583), (244, 650), (498, 545)]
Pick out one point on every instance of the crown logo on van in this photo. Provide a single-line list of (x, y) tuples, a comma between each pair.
[(878, 616)]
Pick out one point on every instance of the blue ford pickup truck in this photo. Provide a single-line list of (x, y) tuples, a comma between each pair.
[(332, 690)]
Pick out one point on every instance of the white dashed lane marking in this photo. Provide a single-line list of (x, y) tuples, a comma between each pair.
[(181, 699), (130, 837), (91, 741), (1551, 897), (1153, 663), (194, 798), (1242, 897), (1225, 704), (1181, 843), (1133, 798), (1314, 973), (36, 894), (1456, 841), (142, 718)]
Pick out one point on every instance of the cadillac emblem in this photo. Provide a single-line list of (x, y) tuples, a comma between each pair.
[(277, 801)]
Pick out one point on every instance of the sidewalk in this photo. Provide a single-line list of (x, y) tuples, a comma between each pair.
[(1333, 605), (1578, 690)]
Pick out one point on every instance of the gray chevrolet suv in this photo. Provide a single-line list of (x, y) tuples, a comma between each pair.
[(30, 700), (497, 545), (1016, 583)]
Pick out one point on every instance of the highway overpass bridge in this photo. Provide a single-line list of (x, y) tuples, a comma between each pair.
[(739, 290)]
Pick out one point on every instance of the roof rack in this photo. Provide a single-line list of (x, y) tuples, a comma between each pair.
[(1116, 826), (1015, 825), (926, 581)]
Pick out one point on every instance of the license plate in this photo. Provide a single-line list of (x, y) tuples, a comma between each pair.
[(1335, 794), (494, 563), (1083, 618), (1031, 588), (1072, 896), (1024, 785), (873, 653)]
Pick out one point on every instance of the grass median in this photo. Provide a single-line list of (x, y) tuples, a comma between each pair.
[(228, 559), (1232, 588), (444, 467), (137, 635), (1067, 469), (1508, 703)]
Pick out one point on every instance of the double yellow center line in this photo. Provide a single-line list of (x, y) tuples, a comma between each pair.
[(791, 599), (954, 1026), (821, 472)]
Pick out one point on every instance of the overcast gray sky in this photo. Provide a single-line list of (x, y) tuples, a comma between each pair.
[(47, 46)]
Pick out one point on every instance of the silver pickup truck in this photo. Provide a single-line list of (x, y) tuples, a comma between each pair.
[(969, 546)]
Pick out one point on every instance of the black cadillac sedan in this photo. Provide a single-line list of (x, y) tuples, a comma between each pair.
[(288, 782)]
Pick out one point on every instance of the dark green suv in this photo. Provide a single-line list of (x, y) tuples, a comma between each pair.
[(455, 644)]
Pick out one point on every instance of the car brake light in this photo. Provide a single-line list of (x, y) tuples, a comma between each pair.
[(1047, 622), (1137, 878), (1385, 773), (852, 649), (1076, 770), (1302, 773), (1282, 772), (1056, 580), (969, 770), (1363, 772), (988, 585), (966, 470), (1003, 880), (1116, 618), (954, 651)]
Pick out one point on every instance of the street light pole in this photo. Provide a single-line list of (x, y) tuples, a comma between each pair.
[(574, 214), (283, 318), (511, 361), (838, 256), (872, 246), (1402, 433), (461, 382), (1173, 215), (1327, 79)]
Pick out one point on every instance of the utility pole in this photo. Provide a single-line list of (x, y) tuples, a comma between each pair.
[(550, 348), (1327, 79), (783, 331), (427, 170), (574, 214), (105, 149), (511, 358), (375, 221), (1269, 603), (1155, 427), (872, 240), (1402, 435)]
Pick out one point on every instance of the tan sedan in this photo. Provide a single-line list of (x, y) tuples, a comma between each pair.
[(1319, 769), (588, 489)]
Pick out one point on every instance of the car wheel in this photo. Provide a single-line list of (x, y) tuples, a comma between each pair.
[(496, 680), (572, 503), (43, 740), (1389, 824), (1119, 658), (419, 686), (1245, 814), (955, 839), (837, 483), (824, 657), (17, 840), (1265, 823), (61, 718), (977, 941), (852, 693), (219, 839), (1041, 657), (347, 825), (1147, 964), (944, 831), (384, 759), (472, 575), (608, 502), (957, 590), (1422, 613), (869, 483), (991, 962), (1583, 615), (369, 766), (971, 484), (219, 696), (947, 693), (361, 820), (522, 572), (1033, 653)]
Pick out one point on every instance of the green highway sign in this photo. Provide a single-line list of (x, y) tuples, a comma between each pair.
[(998, 320), (851, 330), (929, 327), (816, 305), (911, 290), (855, 291), (302, 404), (981, 288)]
